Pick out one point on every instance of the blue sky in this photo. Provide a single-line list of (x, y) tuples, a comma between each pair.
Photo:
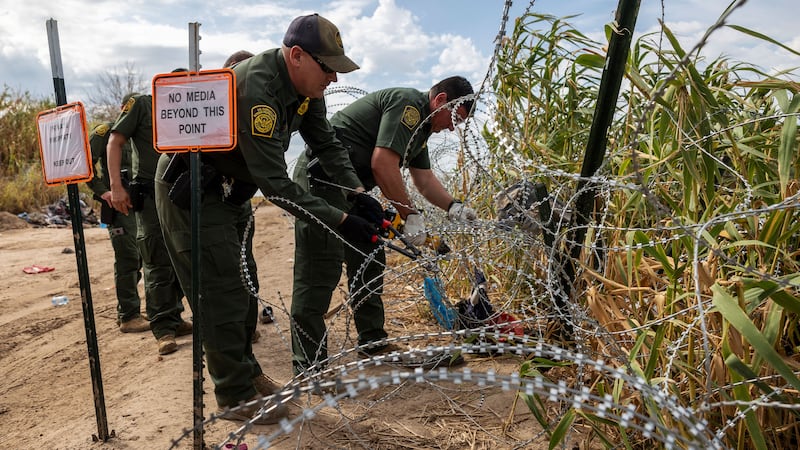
[(397, 42)]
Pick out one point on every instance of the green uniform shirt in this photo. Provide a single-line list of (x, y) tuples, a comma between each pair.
[(135, 123), (385, 118), (98, 140), (270, 110)]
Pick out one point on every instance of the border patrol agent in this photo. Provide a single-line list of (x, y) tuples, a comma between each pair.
[(122, 232), (162, 291), (383, 132), (177, 225), (279, 91)]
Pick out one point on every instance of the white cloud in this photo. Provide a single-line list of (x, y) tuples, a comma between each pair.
[(459, 56), (408, 43), (389, 40)]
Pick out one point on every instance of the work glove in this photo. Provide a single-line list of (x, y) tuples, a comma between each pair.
[(414, 230), (459, 212), (357, 230), (364, 205)]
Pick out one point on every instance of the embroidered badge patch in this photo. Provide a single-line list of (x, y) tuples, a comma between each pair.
[(303, 107), (410, 117), (128, 104), (101, 129), (262, 119)]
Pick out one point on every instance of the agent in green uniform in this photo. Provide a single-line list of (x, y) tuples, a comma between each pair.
[(162, 291), (176, 224), (279, 92), (384, 132), (122, 232)]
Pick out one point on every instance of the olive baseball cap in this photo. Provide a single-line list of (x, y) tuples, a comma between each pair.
[(319, 37)]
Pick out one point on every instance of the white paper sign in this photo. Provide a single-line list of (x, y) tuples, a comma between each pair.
[(63, 144), (194, 111)]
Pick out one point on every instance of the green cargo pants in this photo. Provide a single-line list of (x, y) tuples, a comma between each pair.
[(127, 266), (228, 312), (162, 291), (319, 255)]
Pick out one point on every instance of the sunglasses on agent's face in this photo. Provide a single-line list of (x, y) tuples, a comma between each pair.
[(322, 65)]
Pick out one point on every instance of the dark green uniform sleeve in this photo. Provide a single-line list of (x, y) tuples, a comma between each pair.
[(400, 120), (135, 123), (389, 118), (98, 139), (264, 134)]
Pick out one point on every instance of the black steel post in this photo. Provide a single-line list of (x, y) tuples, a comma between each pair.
[(614, 70), (80, 250), (197, 339)]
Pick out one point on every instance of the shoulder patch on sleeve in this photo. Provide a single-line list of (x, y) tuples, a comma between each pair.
[(410, 117), (101, 129), (262, 120), (129, 104)]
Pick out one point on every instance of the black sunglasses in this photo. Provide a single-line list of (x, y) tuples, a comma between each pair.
[(322, 65)]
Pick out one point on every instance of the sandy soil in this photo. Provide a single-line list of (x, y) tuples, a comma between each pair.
[(47, 401)]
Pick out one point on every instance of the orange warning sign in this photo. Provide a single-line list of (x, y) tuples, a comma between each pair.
[(194, 111), (63, 145)]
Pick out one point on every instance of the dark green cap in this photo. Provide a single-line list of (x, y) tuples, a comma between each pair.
[(318, 36)]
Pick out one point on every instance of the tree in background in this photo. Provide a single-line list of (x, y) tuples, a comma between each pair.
[(103, 99)]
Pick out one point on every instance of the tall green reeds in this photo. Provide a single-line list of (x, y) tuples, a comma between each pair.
[(693, 283), (22, 187)]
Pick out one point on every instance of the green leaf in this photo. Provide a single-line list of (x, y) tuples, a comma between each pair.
[(735, 363), (774, 291), (657, 252), (674, 41), (599, 425), (536, 408), (562, 428), (758, 35), (742, 393), (591, 60), (788, 144), (649, 370), (773, 228), (731, 311)]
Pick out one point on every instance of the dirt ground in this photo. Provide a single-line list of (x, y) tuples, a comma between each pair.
[(46, 399)]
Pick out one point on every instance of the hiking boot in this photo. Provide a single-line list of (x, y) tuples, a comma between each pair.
[(184, 328), (252, 413), (135, 325), (265, 385), (379, 349), (167, 344), (256, 336)]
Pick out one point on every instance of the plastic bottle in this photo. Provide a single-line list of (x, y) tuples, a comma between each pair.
[(60, 300)]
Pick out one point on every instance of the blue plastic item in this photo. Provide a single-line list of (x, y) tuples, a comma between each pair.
[(433, 292)]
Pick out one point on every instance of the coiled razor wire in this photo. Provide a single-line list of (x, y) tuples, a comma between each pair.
[(524, 283), (348, 381)]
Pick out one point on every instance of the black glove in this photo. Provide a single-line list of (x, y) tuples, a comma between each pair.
[(357, 230), (364, 205)]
